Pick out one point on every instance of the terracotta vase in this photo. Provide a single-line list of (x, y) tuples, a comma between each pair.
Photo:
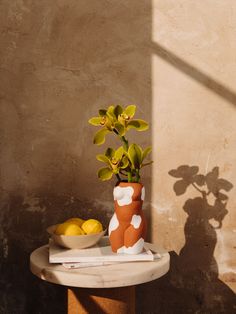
[(127, 228)]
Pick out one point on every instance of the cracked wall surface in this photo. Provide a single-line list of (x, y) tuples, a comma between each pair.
[(62, 60)]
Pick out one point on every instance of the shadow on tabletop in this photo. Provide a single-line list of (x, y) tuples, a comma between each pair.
[(192, 284)]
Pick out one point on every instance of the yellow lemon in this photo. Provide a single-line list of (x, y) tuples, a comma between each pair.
[(69, 229), (92, 226), (77, 221)]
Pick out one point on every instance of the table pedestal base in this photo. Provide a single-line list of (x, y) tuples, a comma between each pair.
[(105, 300)]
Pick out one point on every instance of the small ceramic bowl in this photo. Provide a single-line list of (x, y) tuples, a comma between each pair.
[(75, 242)]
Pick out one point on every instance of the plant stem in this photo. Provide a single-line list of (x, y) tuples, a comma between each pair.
[(130, 179), (125, 143), (137, 175), (118, 177), (126, 147)]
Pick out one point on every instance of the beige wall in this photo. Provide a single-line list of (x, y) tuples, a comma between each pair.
[(62, 60), (194, 114)]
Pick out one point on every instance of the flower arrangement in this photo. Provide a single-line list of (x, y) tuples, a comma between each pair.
[(127, 160)]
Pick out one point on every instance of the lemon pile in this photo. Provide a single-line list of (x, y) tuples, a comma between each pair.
[(78, 226)]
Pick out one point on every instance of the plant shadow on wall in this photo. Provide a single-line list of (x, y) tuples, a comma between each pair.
[(192, 284)]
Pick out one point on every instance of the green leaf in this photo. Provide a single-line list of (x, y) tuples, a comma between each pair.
[(110, 152), (111, 116), (99, 137), (139, 152), (119, 153), (120, 128), (146, 152), (124, 163), (103, 158), (102, 112), (130, 110), (139, 125), (95, 121), (111, 109), (135, 155), (116, 170), (118, 110), (105, 174), (110, 112), (147, 163)]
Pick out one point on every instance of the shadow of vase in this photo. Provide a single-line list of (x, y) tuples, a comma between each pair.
[(200, 237)]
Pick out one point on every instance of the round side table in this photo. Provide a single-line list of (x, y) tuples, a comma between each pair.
[(100, 289)]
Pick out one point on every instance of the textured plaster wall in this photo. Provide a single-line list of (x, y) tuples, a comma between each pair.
[(62, 60), (194, 124)]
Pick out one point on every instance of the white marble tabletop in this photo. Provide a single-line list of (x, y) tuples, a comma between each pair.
[(109, 276)]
